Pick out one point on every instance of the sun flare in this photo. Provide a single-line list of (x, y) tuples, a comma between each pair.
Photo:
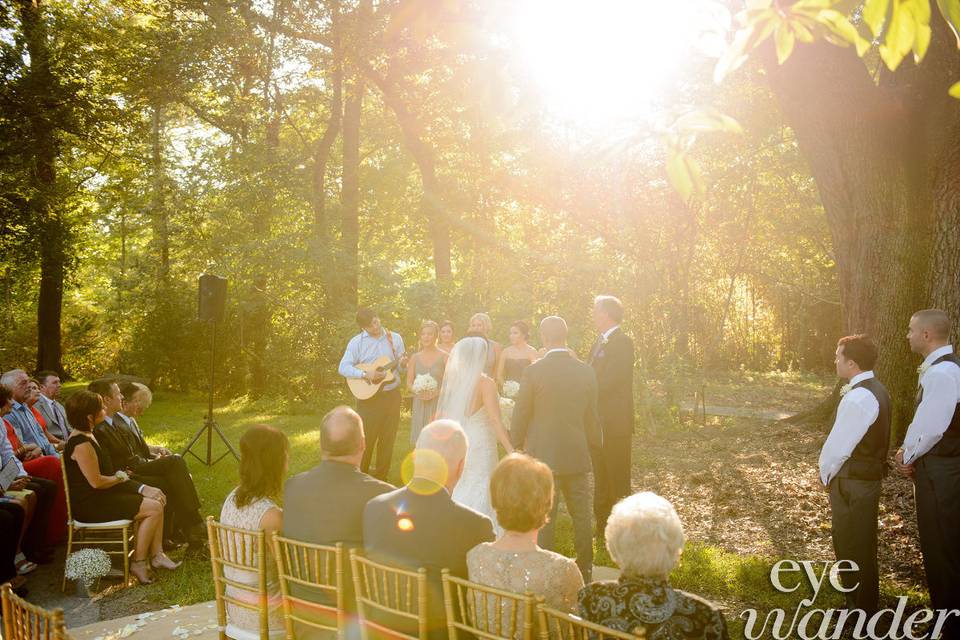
[(597, 64)]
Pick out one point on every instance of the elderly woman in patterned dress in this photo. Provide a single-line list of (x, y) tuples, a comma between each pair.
[(645, 539)]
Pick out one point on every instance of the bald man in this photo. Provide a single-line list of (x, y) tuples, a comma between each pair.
[(420, 525), (931, 456), (555, 420), (325, 504)]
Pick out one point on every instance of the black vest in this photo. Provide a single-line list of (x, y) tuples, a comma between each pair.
[(949, 444), (869, 459)]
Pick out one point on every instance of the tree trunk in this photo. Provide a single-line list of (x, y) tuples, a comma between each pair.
[(324, 145), (158, 209), (49, 222), (350, 194), (886, 164)]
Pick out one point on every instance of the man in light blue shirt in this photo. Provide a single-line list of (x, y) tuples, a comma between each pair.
[(381, 412)]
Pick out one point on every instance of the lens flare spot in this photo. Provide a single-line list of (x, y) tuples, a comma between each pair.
[(424, 464), (405, 524)]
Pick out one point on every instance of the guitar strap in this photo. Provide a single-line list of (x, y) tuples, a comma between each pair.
[(393, 349)]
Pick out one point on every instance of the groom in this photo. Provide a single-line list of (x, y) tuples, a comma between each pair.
[(555, 419)]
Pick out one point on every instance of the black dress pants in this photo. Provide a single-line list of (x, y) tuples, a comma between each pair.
[(854, 508), (46, 491), (11, 523), (936, 485), (381, 417), (171, 475), (611, 476)]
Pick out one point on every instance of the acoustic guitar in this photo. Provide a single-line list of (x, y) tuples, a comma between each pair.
[(364, 390)]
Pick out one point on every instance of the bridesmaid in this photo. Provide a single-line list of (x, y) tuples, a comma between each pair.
[(429, 359), (516, 357), (447, 337), (481, 325)]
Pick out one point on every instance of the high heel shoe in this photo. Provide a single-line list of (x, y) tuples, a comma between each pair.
[(140, 571), (161, 561)]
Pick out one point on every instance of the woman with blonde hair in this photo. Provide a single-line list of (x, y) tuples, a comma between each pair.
[(429, 360), (521, 490), (481, 326)]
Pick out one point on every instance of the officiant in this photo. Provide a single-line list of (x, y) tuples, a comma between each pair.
[(612, 360)]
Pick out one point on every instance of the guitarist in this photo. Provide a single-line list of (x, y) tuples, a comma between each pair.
[(381, 412)]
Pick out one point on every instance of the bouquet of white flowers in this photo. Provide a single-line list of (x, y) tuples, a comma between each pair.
[(424, 382), (511, 388), (87, 565), (506, 410)]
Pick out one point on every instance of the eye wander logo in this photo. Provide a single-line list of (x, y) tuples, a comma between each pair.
[(811, 623)]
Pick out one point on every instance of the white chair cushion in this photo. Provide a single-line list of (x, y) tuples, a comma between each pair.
[(101, 525)]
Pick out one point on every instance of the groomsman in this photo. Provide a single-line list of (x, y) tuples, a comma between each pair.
[(381, 413), (930, 454), (612, 360), (852, 466)]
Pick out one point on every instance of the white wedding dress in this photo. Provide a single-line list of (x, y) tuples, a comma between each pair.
[(473, 489)]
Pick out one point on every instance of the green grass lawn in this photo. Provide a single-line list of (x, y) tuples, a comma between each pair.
[(737, 581)]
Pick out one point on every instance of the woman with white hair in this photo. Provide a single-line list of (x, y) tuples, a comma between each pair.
[(645, 538), (481, 326)]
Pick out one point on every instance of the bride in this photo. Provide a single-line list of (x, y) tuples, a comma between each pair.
[(470, 397)]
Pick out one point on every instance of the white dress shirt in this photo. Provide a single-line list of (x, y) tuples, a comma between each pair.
[(858, 410), (941, 393), (606, 334)]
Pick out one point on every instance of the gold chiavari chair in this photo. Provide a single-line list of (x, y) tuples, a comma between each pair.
[(96, 534), (304, 568), (25, 621), (233, 548), (560, 625), (485, 612), (398, 597)]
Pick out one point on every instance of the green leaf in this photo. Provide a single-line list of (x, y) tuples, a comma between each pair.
[(875, 14), (950, 10), (784, 39), (679, 174), (838, 23), (955, 90), (801, 31)]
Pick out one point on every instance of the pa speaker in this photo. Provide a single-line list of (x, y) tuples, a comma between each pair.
[(212, 298)]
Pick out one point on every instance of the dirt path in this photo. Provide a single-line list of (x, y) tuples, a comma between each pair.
[(751, 488)]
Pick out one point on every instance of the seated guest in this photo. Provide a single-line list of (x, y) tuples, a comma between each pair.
[(52, 411), (325, 504), (11, 524), (137, 398), (33, 395), (645, 539), (25, 425), (419, 525), (169, 473), (253, 506), (40, 474), (16, 505), (521, 490), (101, 493)]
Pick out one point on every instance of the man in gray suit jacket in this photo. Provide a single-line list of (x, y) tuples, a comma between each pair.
[(420, 525), (324, 505), (555, 420), (51, 409)]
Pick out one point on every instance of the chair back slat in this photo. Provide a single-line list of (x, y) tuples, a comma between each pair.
[(316, 569), (476, 610), (237, 549), (560, 625), (385, 591), (25, 621), (66, 489)]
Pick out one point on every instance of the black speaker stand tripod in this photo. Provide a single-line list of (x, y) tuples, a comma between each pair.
[(209, 424)]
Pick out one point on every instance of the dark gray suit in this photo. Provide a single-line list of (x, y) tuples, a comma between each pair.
[(442, 533), (555, 420), (324, 505)]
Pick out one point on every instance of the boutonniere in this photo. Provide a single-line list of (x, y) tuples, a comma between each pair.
[(845, 389), (604, 340), (922, 369)]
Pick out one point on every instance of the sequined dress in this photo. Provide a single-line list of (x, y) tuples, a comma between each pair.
[(540, 572)]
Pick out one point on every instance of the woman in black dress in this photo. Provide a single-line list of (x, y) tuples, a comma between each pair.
[(515, 358), (99, 493)]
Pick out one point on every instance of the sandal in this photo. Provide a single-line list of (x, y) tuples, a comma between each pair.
[(140, 571), (161, 561), (24, 566)]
